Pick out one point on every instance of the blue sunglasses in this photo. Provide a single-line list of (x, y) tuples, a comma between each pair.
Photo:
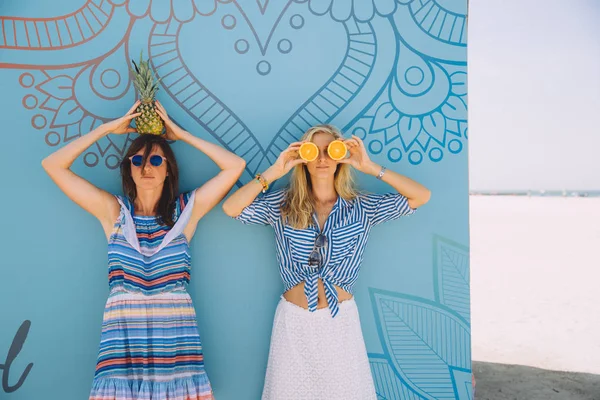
[(155, 160)]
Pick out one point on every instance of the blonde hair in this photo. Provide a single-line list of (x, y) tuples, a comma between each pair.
[(298, 207)]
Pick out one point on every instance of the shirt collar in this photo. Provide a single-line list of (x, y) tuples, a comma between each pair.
[(341, 202)]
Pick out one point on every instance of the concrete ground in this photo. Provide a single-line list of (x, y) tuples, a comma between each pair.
[(534, 281), (515, 382)]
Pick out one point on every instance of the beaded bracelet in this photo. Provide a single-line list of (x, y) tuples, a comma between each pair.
[(265, 185)]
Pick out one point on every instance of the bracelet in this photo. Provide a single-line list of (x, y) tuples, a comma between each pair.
[(381, 172), (265, 185)]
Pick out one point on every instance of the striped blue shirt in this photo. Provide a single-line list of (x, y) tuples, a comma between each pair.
[(347, 230)]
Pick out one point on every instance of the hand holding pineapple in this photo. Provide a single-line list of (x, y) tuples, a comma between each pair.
[(122, 125), (172, 131)]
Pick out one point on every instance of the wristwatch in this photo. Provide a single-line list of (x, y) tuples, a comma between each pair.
[(381, 172)]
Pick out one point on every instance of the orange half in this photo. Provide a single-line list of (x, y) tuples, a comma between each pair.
[(337, 150), (308, 151)]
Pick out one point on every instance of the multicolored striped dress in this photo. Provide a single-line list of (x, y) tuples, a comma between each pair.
[(150, 348)]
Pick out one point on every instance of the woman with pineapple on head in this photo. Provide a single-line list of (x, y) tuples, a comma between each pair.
[(150, 347)]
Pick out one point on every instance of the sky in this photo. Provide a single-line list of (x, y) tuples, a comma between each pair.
[(534, 94)]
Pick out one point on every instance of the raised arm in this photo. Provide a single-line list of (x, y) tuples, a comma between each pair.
[(94, 200), (416, 194), (243, 197), (213, 191)]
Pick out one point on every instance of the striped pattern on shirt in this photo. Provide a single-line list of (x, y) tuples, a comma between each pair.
[(142, 268), (347, 229)]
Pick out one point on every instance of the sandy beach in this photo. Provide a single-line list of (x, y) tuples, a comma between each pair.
[(535, 273)]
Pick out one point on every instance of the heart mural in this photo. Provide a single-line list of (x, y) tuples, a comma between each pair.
[(259, 132), (358, 65), (253, 75)]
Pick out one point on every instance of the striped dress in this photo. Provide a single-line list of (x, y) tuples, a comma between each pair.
[(150, 348)]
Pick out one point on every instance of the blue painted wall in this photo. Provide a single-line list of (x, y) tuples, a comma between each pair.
[(251, 75)]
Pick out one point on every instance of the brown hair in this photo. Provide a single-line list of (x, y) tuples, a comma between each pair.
[(166, 203)]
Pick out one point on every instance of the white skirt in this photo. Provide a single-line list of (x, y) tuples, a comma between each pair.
[(316, 357)]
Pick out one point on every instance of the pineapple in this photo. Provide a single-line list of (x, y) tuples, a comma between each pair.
[(149, 122)]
